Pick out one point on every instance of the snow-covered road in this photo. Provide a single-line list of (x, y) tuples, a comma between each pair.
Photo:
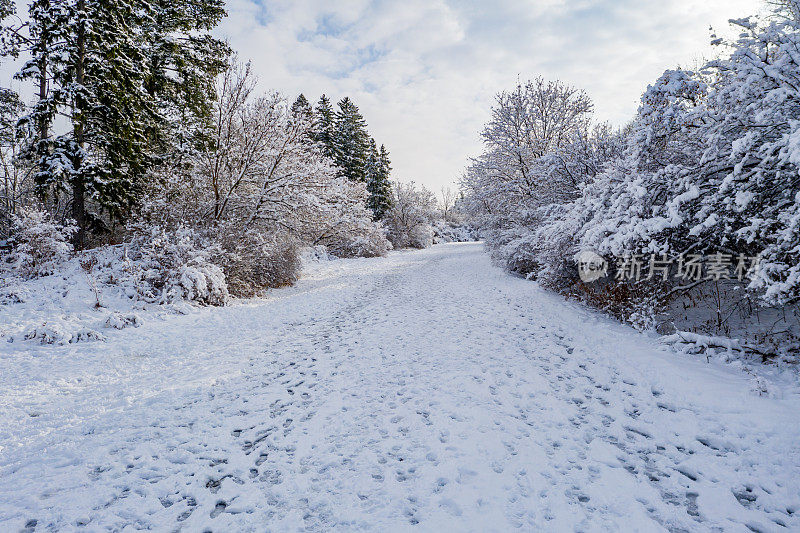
[(425, 391)]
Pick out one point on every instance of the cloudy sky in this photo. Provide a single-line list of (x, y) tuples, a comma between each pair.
[(424, 72)]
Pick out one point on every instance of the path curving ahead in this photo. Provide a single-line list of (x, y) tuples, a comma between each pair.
[(426, 391)]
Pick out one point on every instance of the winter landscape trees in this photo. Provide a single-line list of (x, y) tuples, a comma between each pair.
[(144, 126), (202, 327), (139, 124), (707, 168)]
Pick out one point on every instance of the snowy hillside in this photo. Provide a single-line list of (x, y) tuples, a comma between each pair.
[(423, 389)]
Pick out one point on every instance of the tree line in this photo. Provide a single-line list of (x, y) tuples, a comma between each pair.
[(708, 168), (143, 128), (126, 93)]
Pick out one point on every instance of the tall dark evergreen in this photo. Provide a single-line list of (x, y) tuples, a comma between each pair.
[(303, 112), (11, 39), (182, 61), (344, 139), (324, 125), (380, 185), (302, 108), (121, 73), (351, 141)]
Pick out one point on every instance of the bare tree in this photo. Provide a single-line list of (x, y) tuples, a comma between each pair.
[(409, 219), (17, 182), (447, 202)]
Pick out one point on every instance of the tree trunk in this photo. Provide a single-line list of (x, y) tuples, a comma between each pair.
[(78, 179), (43, 123)]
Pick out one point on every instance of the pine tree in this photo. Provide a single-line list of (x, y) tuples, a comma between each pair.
[(379, 185), (182, 61), (9, 47), (6, 10), (10, 27), (324, 125), (303, 114), (302, 108), (351, 141), (45, 30), (119, 72)]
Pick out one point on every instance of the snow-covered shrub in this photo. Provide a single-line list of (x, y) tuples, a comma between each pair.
[(177, 265), (315, 254), (39, 243), (515, 250), (61, 333), (369, 241), (345, 225), (421, 236), (118, 320), (254, 262), (201, 282), (448, 231), (409, 219)]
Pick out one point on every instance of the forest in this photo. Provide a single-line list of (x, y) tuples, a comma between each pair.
[(143, 129), (694, 205)]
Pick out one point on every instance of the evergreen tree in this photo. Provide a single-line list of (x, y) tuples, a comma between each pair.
[(302, 108), (10, 43), (303, 113), (378, 182), (351, 141), (182, 61), (324, 125), (6, 10), (120, 72), (10, 26)]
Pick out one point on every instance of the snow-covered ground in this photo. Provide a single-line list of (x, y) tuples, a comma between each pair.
[(423, 391)]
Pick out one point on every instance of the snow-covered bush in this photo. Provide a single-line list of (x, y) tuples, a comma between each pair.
[(366, 241), (445, 231), (345, 225), (39, 244), (118, 320), (254, 262), (62, 333), (408, 221), (177, 265)]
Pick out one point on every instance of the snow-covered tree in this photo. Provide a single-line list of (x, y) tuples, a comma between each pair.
[(535, 156), (324, 125), (123, 77), (379, 186), (350, 141), (182, 60), (15, 176), (409, 219)]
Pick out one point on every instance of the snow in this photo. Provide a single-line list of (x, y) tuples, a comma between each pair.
[(426, 390)]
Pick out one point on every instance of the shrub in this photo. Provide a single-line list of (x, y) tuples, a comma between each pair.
[(408, 221), (176, 265), (254, 262), (39, 244), (362, 239)]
